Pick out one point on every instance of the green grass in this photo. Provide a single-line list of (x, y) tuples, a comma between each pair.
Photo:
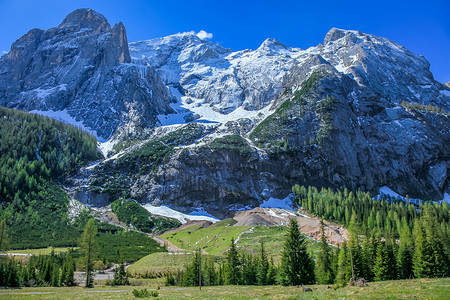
[(401, 289), (160, 262), (215, 239)]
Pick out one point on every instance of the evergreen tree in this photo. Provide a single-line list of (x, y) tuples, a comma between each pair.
[(263, 267), (272, 273), (297, 267), (324, 269), (405, 252), (67, 272), (381, 266), (232, 270), (423, 254), (55, 275), (88, 247), (343, 275), (4, 239), (120, 276)]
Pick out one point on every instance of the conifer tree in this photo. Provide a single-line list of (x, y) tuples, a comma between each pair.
[(381, 267), (343, 275), (232, 271), (324, 269), (88, 247), (297, 267), (423, 255), (263, 266), (405, 252)]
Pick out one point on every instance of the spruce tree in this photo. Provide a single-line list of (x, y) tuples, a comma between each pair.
[(342, 274), (405, 252), (324, 269), (381, 267), (297, 267), (423, 254), (263, 266), (232, 270)]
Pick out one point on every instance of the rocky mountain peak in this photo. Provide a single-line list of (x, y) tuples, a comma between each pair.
[(336, 33), (86, 18), (447, 84), (273, 47)]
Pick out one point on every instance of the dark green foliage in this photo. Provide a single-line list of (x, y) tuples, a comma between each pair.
[(381, 216), (284, 121), (67, 272), (324, 270), (232, 269), (114, 176), (88, 247), (262, 267), (36, 152), (388, 250), (120, 276), (144, 293), (125, 246), (297, 267), (130, 212), (232, 142)]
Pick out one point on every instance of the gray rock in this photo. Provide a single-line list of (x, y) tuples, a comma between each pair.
[(82, 66)]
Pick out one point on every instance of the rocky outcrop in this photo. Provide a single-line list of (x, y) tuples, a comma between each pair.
[(82, 67)]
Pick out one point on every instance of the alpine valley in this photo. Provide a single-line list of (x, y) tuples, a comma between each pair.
[(189, 124)]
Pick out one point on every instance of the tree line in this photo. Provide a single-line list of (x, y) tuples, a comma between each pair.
[(389, 239)]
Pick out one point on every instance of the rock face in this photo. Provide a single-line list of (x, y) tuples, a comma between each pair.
[(358, 111), (82, 67), (340, 114)]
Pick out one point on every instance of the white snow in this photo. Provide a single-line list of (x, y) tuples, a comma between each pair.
[(387, 191), (285, 203), (445, 93), (165, 211), (63, 116)]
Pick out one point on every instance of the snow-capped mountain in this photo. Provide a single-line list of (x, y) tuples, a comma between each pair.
[(237, 127), (82, 70)]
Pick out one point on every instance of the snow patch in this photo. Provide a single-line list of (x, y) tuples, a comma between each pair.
[(445, 93), (63, 116), (165, 211), (285, 203)]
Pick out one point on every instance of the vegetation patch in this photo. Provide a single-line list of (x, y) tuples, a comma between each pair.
[(131, 212)]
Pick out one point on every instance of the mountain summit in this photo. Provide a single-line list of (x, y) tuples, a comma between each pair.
[(212, 128)]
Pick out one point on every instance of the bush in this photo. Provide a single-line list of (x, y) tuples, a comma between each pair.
[(144, 293)]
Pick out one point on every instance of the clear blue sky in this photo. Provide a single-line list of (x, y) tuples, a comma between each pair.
[(421, 26)]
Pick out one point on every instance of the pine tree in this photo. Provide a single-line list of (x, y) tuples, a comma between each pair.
[(405, 252), (55, 281), (423, 254), (381, 267), (232, 271), (88, 247), (4, 239), (324, 269), (120, 276), (342, 274), (297, 267), (272, 273), (263, 266)]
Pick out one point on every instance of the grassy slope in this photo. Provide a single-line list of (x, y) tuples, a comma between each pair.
[(160, 262), (401, 289), (216, 239)]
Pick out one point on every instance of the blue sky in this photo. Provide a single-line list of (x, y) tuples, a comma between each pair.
[(421, 26)]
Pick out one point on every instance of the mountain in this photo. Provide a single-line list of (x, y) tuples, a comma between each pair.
[(82, 70), (198, 126)]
